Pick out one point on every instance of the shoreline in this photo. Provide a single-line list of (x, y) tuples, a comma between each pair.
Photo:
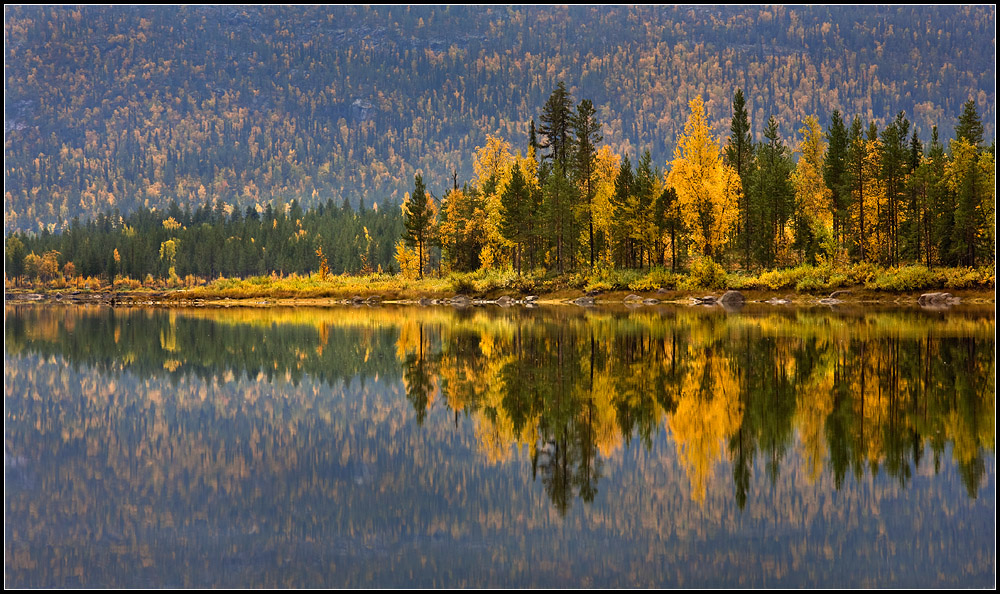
[(187, 298)]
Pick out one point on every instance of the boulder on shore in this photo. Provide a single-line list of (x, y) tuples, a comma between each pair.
[(732, 298), (937, 299), (460, 301)]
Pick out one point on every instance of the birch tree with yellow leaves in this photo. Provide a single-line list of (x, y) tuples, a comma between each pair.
[(813, 217), (707, 189), (492, 164)]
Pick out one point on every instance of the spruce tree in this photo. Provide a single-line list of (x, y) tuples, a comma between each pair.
[(739, 156), (834, 173), (624, 188), (894, 159), (556, 126), (516, 203), (772, 197), (855, 184), (588, 135), (418, 220), (970, 127)]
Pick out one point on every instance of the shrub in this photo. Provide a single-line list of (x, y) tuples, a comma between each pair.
[(705, 274), (862, 273), (969, 278), (655, 279), (907, 278)]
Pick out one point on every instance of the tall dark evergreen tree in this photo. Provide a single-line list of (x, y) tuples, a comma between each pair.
[(739, 156), (772, 197), (667, 218), (624, 188), (557, 123), (418, 220), (517, 211), (912, 238), (641, 208), (970, 126), (587, 130), (855, 182), (894, 160), (557, 126), (834, 172)]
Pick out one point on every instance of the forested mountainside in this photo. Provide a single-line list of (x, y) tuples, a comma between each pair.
[(120, 107)]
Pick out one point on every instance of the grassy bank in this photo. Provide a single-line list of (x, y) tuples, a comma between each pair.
[(704, 276)]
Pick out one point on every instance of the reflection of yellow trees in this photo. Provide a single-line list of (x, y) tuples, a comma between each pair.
[(707, 412), (519, 376), (607, 435), (814, 403), (168, 336)]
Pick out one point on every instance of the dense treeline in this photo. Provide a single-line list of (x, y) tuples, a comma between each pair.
[(124, 107), (855, 194), (210, 241)]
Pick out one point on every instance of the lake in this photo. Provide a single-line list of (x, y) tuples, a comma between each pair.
[(403, 446)]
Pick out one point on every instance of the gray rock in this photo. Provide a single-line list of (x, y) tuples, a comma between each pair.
[(732, 298), (937, 299), (583, 301), (460, 301), (504, 301), (650, 301), (632, 297)]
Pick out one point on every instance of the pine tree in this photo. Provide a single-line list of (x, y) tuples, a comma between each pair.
[(894, 159), (418, 220), (970, 177), (856, 183), (739, 156), (834, 174), (912, 237), (771, 198), (516, 202), (588, 135), (669, 223), (560, 204), (643, 230), (624, 188), (941, 200), (970, 126), (557, 124)]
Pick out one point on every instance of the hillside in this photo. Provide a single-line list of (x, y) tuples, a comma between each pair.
[(121, 107)]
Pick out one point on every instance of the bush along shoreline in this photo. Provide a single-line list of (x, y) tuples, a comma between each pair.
[(860, 282)]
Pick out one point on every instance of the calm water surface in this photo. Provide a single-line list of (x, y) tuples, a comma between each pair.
[(553, 447)]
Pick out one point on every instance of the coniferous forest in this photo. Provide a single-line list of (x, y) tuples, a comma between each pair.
[(243, 141)]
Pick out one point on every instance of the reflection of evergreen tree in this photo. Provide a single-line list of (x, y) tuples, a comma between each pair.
[(419, 376), (741, 453), (571, 383)]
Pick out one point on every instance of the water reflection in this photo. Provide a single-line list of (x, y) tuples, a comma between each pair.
[(405, 446)]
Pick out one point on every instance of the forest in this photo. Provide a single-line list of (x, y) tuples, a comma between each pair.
[(133, 108), (565, 202)]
